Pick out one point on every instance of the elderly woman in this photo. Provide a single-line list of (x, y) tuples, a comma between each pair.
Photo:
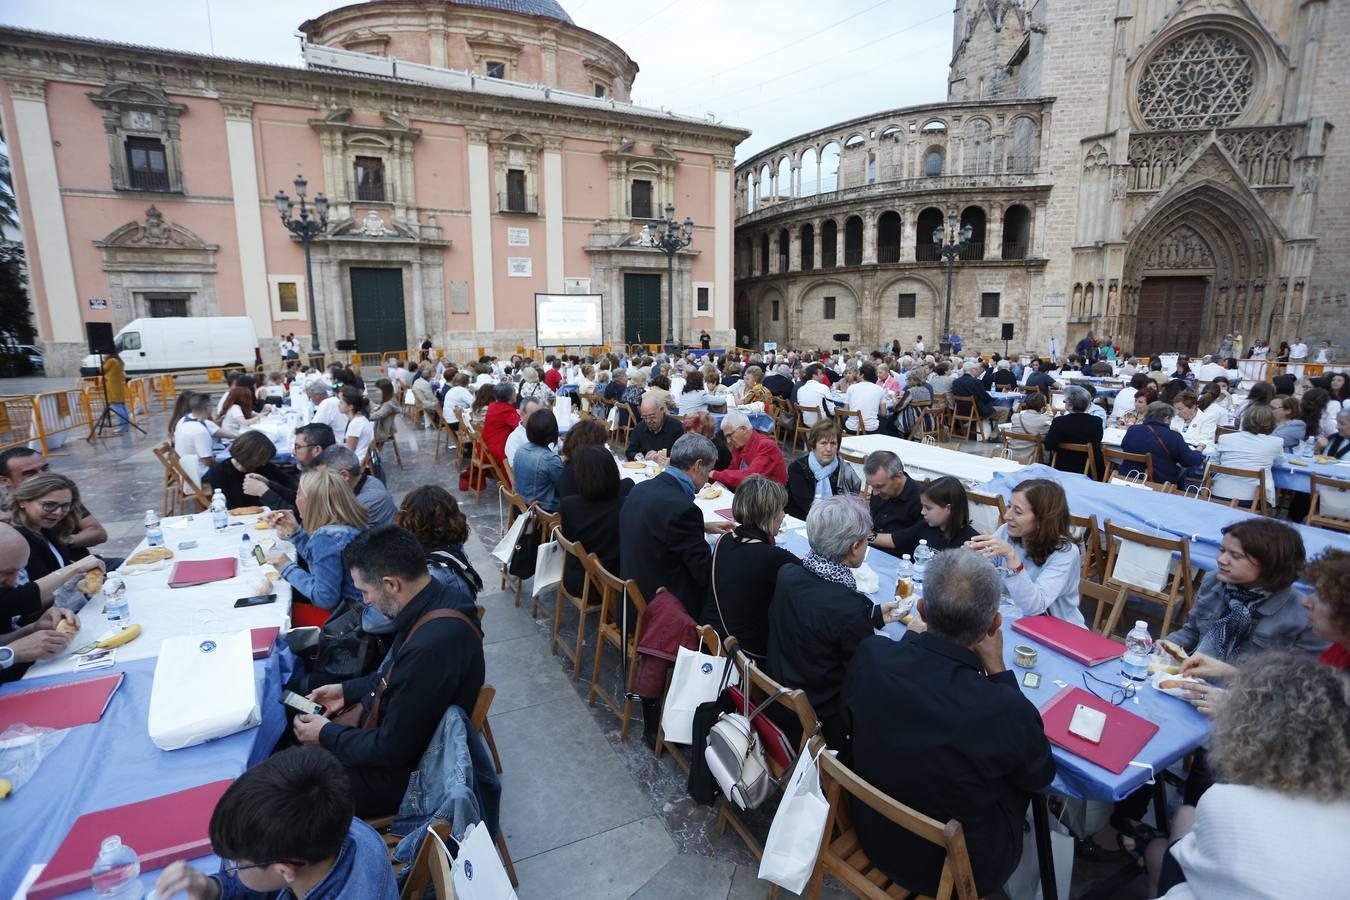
[(1197, 418), (819, 472), (433, 516), (252, 451), (1338, 444), (531, 388), (818, 617), (745, 566), (1135, 414), (659, 390), (1033, 418), (637, 386), (752, 453), (887, 380), (1254, 447), (916, 391), (693, 398), (500, 419), (1276, 824), (536, 466), (1077, 426), (1154, 436), (755, 391), (1289, 427), (703, 423)]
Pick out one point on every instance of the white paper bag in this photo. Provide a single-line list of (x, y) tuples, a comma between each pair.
[(478, 873), (1025, 883), (548, 567), (204, 689), (697, 679), (409, 398), (794, 837), (1143, 566), (507, 545)]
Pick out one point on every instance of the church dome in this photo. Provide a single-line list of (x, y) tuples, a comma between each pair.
[(546, 8)]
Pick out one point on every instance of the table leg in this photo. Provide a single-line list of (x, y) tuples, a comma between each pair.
[(1160, 805), (1040, 820)]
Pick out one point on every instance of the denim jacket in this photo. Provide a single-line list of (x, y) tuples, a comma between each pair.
[(328, 582), (360, 872), (455, 781), (537, 470)]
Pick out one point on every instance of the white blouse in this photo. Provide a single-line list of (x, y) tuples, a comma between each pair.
[(1049, 588), (363, 430)]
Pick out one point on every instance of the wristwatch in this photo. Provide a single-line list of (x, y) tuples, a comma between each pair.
[(872, 537), (6, 657)]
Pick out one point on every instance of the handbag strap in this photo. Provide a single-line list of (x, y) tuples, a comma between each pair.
[(372, 718)]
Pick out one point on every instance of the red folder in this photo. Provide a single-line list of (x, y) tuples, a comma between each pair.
[(263, 639), (192, 572), (1123, 737), (1074, 641), (161, 831), (60, 705), (726, 514)]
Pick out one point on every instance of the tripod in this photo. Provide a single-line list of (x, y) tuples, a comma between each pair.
[(105, 419)]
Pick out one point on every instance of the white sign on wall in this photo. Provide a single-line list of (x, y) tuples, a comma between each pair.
[(576, 285), (518, 237), (519, 267)]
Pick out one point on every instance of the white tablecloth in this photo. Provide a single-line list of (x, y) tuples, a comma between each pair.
[(926, 462), (708, 504), (165, 612)]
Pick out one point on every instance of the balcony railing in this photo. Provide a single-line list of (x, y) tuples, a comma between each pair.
[(888, 253), (370, 193), (782, 262), (1014, 251), (524, 204), (974, 250), (927, 253), (148, 180), (853, 256)]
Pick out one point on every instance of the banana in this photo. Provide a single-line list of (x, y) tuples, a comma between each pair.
[(6, 788), (125, 636)]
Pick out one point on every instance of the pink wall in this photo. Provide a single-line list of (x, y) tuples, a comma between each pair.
[(458, 267), (439, 166), (36, 285)]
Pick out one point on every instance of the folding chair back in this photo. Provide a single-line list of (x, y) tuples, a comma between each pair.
[(1022, 447), (584, 603), (1150, 567), (843, 416), (613, 591), (710, 643), (1330, 503), (966, 421), (1118, 460), (1089, 539), (986, 511), (1089, 467), (1237, 487), (802, 430)]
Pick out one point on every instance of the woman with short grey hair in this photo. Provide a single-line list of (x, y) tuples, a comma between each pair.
[(1077, 426), (531, 388), (745, 565), (818, 617)]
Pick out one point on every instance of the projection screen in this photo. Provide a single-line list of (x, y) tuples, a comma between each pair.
[(568, 320)]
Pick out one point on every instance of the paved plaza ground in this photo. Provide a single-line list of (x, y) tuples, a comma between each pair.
[(586, 815)]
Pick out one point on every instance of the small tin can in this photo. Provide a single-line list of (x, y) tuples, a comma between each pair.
[(1024, 657)]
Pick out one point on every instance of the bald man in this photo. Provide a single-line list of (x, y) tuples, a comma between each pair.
[(20, 647), (655, 433)]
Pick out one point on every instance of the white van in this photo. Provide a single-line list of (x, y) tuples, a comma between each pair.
[(174, 344)]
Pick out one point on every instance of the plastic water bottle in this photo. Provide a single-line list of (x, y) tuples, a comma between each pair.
[(220, 516), (246, 551), (1138, 648), (905, 569), (922, 554), (154, 534), (116, 607), (117, 872)]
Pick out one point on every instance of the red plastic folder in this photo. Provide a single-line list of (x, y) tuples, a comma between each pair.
[(1074, 641), (1123, 737), (161, 831), (192, 572), (263, 639), (60, 705)]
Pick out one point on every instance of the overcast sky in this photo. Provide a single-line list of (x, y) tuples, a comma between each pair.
[(776, 67)]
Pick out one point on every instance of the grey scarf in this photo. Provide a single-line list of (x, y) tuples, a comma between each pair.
[(1235, 625), (831, 571)]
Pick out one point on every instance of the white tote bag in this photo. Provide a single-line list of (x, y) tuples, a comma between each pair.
[(1025, 883), (507, 545), (697, 679), (478, 873), (548, 567), (794, 837), (204, 689)]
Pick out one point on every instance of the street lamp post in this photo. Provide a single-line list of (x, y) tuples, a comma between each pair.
[(306, 227), (670, 237), (951, 240)]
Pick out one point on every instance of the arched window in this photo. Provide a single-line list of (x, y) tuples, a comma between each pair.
[(808, 239), (829, 244), (764, 254), (853, 241), (1016, 232), (974, 217), (810, 173), (765, 185), (929, 221), (932, 163), (854, 142), (1023, 149), (751, 199), (888, 237), (871, 168), (829, 168), (784, 243), (784, 179), (978, 154)]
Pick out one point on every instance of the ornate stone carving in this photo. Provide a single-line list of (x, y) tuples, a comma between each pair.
[(1199, 79), (1096, 157), (1182, 248), (153, 233), (1308, 182), (372, 225)]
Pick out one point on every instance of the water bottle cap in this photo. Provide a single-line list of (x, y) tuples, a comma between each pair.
[(1138, 624), (111, 844), (923, 543)]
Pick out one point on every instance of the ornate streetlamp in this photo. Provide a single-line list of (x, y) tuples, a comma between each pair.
[(951, 241), (306, 227), (670, 237)]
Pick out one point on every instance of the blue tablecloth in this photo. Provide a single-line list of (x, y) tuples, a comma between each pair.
[(1182, 728), (1007, 398), (1171, 515), (567, 390), (758, 421), (1295, 478), (113, 762)]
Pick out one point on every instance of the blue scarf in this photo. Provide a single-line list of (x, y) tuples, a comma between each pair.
[(822, 474)]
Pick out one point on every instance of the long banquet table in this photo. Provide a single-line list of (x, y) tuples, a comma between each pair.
[(926, 461)]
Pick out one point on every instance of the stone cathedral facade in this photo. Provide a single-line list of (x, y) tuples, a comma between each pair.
[(1158, 171)]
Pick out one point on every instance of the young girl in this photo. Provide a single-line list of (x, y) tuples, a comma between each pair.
[(1039, 551), (946, 519), (360, 432)]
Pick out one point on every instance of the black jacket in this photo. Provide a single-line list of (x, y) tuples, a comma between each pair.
[(814, 627), (933, 731), (644, 440), (1074, 428), (898, 514), (596, 525), (41, 560), (227, 479), (661, 542), (1005, 380), (1043, 381), (745, 570), (970, 386), (779, 385), (801, 485), (442, 666), (907, 539)]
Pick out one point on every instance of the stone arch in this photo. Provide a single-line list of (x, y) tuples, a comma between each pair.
[(853, 241), (934, 161), (829, 167), (974, 216), (927, 308), (783, 173), (888, 236), (978, 134), (929, 219), (808, 182), (1023, 145), (807, 236), (814, 328), (829, 244), (766, 327)]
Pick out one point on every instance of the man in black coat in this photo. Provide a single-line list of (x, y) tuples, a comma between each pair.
[(780, 382), (969, 385), (655, 433), (895, 503), (661, 531), (972, 745), (1041, 379)]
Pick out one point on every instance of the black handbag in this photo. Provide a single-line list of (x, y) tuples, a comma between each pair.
[(525, 554), (344, 650)]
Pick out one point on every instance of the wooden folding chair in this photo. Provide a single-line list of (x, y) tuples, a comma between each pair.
[(1330, 507), (966, 420), (1172, 592), (173, 491), (841, 853), (1090, 469), (710, 643), (439, 870), (1221, 430), (583, 604), (1029, 452), (1105, 598), (515, 506), (184, 485), (1116, 459), (801, 430), (986, 511), (548, 527), (1256, 503), (842, 415), (923, 411), (377, 448), (613, 590), (1088, 536), (479, 719), (784, 421)]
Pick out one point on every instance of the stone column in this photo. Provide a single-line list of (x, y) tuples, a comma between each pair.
[(993, 232), (908, 223), (1037, 232), (480, 229), (816, 240), (418, 303), (794, 249), (869, 247), (247, 205)]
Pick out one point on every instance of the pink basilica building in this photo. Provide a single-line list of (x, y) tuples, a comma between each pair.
[(473, 152)]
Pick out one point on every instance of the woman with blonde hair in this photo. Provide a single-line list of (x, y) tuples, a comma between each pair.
[(333, 518), (755, 391), (46, 510)]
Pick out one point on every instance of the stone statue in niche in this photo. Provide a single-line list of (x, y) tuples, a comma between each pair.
[(1111, 298), (646, 236), (372, 225)]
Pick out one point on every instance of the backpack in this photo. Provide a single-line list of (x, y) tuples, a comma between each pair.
[(735, 756), (447, 560)]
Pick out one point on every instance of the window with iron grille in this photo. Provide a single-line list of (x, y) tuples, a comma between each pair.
[(496, 70), (908, 302), (640, 197), (829, 307), (147, 165), (370, 178), (515, 190), (989, 305)]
